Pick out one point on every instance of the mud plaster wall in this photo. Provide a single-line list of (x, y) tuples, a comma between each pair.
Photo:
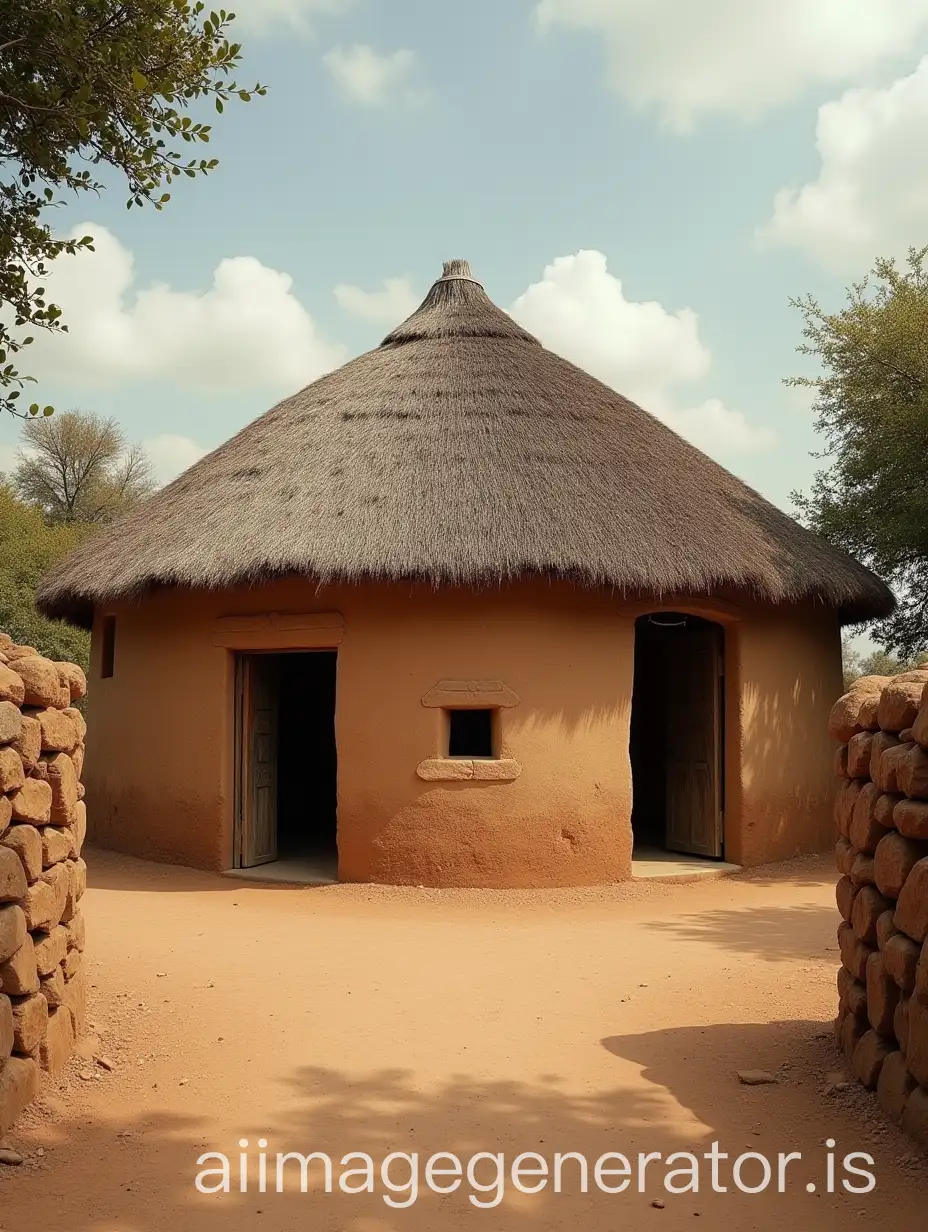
[(160, 776)]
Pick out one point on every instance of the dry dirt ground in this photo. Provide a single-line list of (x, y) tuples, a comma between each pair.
[(366, 1019)]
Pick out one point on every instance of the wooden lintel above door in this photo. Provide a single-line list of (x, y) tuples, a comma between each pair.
[(279, 631)]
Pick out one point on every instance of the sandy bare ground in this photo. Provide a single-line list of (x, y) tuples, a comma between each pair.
[(360, 1019)]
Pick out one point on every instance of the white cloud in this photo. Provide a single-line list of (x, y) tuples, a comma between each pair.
[(170, 455), (690, 58), (371, 77), (390, 306), (247, 330), (264, 15), (871, 195), (580, 311)]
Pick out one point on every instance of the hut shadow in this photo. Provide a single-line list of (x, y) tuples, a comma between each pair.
[(137, 1172), (775, 934)]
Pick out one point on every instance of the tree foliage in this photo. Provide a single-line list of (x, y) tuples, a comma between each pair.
[(94, 84), (872, 410), (28, 548), (77, 467)]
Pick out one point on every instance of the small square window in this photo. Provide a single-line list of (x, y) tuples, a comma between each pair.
[(470, 733), (108, 647)]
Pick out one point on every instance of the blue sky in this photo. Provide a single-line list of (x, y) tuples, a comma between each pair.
[(644, 185)]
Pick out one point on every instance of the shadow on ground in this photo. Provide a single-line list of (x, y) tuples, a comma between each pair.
[(777, 934), (672, 1091)]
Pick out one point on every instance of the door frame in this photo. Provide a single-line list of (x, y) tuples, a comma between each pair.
[(730, 616), (256, 633)]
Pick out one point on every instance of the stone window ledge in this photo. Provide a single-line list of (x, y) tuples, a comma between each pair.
[(458, 769), (474, 694)]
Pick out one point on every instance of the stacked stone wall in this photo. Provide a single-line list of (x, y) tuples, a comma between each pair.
[(881, 812), (43, 821)]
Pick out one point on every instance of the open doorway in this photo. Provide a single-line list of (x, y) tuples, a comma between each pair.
[(676, 741), (286, 761)]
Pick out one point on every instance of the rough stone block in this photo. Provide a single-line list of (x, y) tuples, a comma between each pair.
[(76, 931), (19, 975), (899, 703), (59, 735), (884, 809), (889, 765), (77, 756), (77, 885), (79, 828), (12, 688), (869, 905), (844, 722), (863, 870), (26, 841), (853, 1029), (30, 1018), (12, 774), (40, 680), (845, 799), (900, 958), (57, 845), (50, 949), (58, 1043), (901, 1023), (62, 779), (6, 1027), (882, 998), (865, 833), (12, 876), (910, 818), (912, 773), (841, 769), (920, 726), (894, 860), (59, 878), (29, 743), (854, 954), (13, 931), (19, 1085), (33, 803), (921, 976), (911, 913), (41, 905), (845, 891), (11, 722), (894, 1087), (77, 681), (75, 994), (855, 999), (915, 1117), (885, 928), (6, 813), (52, 988), (871, 1051), (916, 1051), (72, 964), (858, 755), (844, 856)]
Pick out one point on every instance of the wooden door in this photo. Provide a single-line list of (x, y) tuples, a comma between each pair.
[(693, 674), (258, 686)]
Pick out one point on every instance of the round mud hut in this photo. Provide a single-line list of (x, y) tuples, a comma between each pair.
[(458, 614)]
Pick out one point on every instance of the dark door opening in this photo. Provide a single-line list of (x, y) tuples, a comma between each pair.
[(676, 741), (286, 757)]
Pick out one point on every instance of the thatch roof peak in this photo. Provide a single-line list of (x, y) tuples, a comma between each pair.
[(462, 452)]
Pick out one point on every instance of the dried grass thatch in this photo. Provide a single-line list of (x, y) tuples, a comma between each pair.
[(461, 452)]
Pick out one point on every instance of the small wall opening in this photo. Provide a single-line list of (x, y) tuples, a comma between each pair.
[(676, 739), (108, 647), (287, 761), (470, 733)]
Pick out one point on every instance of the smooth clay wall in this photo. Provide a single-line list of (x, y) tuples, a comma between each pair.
[(160, 775), (160, 767)]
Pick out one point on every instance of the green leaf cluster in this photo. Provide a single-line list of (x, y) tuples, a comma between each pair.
[(88, 84), (871, 403)]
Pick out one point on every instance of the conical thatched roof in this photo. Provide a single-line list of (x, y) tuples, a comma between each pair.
[(460, 451)]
